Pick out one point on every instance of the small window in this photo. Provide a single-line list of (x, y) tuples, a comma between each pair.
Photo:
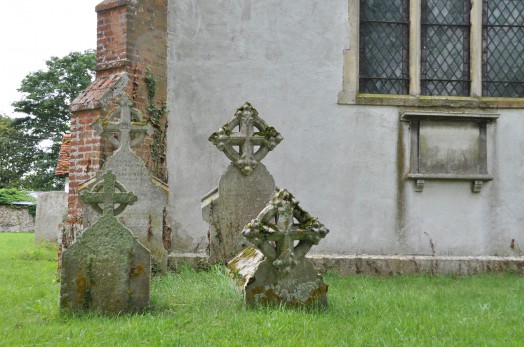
[(445, 28), (503, 48), (384, 47)]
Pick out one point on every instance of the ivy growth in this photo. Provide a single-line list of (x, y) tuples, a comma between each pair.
[(156, 114)]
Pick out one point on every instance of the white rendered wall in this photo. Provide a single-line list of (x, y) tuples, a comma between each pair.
[(345, 164)]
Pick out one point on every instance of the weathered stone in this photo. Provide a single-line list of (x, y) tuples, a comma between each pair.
[(247, 119), (246, 186), (51, 213), (283, 275), (146, 217), (106, 270), (232, 205), (14, 219)]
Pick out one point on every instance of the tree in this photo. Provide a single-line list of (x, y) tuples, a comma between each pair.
[(47, 96), (16, 156)]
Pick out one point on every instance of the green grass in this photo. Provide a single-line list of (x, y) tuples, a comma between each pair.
[(204, 308)]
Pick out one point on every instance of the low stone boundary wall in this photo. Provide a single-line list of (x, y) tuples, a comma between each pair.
[(14, 219)]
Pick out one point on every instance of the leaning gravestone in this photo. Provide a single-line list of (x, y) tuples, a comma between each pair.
[(106, 270), (278, 272), (146, 218), (245, 188)]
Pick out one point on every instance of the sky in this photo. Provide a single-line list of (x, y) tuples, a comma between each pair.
[(32, 31)]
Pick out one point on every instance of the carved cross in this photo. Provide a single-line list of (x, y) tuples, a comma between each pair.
[(246, 158), (104, 192), (275, 231), (125, 127)]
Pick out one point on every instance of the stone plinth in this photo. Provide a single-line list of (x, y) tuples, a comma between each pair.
[(278, 272), (263, 284)]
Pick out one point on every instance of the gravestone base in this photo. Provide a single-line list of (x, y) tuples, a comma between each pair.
[(197, 261), (301, 286)]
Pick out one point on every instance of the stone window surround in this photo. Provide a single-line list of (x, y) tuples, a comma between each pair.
[(350, 95)]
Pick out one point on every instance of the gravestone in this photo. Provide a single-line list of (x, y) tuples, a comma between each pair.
[(277, 272), (246, 186), (107, 269), (51, 213), (146, 218)]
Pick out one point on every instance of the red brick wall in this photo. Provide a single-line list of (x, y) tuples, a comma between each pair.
[(131, 36), (111, 35), (84, 161)]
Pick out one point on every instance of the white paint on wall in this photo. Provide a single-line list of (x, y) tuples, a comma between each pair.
[(345, 163)]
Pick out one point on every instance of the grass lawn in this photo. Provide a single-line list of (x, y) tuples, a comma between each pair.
[(204, 308)]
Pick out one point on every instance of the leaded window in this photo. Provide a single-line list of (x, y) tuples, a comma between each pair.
[(503, 48), (384, 46), (445, 28), (464, 48)]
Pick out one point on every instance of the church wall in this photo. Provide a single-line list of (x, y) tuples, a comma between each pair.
[(346, 164)]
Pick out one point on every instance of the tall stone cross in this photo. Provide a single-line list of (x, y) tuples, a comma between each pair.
[(246, 186), (104, 192), (126, 127), (246, 158), (146, 217)]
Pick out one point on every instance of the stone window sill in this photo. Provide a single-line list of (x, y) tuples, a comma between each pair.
[(433, 101)]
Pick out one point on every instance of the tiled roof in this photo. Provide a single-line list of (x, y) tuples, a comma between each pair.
[(96, 92), (62, 166)]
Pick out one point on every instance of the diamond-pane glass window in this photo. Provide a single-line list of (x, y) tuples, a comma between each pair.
[(384, 46), (503, 48), (445, 47)]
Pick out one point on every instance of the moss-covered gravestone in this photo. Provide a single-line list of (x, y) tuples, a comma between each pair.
[(145, 218), (106, 270), (246, 186), (278, 272)]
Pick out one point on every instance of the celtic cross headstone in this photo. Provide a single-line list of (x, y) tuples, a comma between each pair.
[(246, 186), (107, 269), (146, 218), (246, 158), (119, 120), (104, 193), (283, 233)]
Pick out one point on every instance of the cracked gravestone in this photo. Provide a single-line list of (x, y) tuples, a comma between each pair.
[(146, 218), (277, 272), (107, 269), (246, 186)]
